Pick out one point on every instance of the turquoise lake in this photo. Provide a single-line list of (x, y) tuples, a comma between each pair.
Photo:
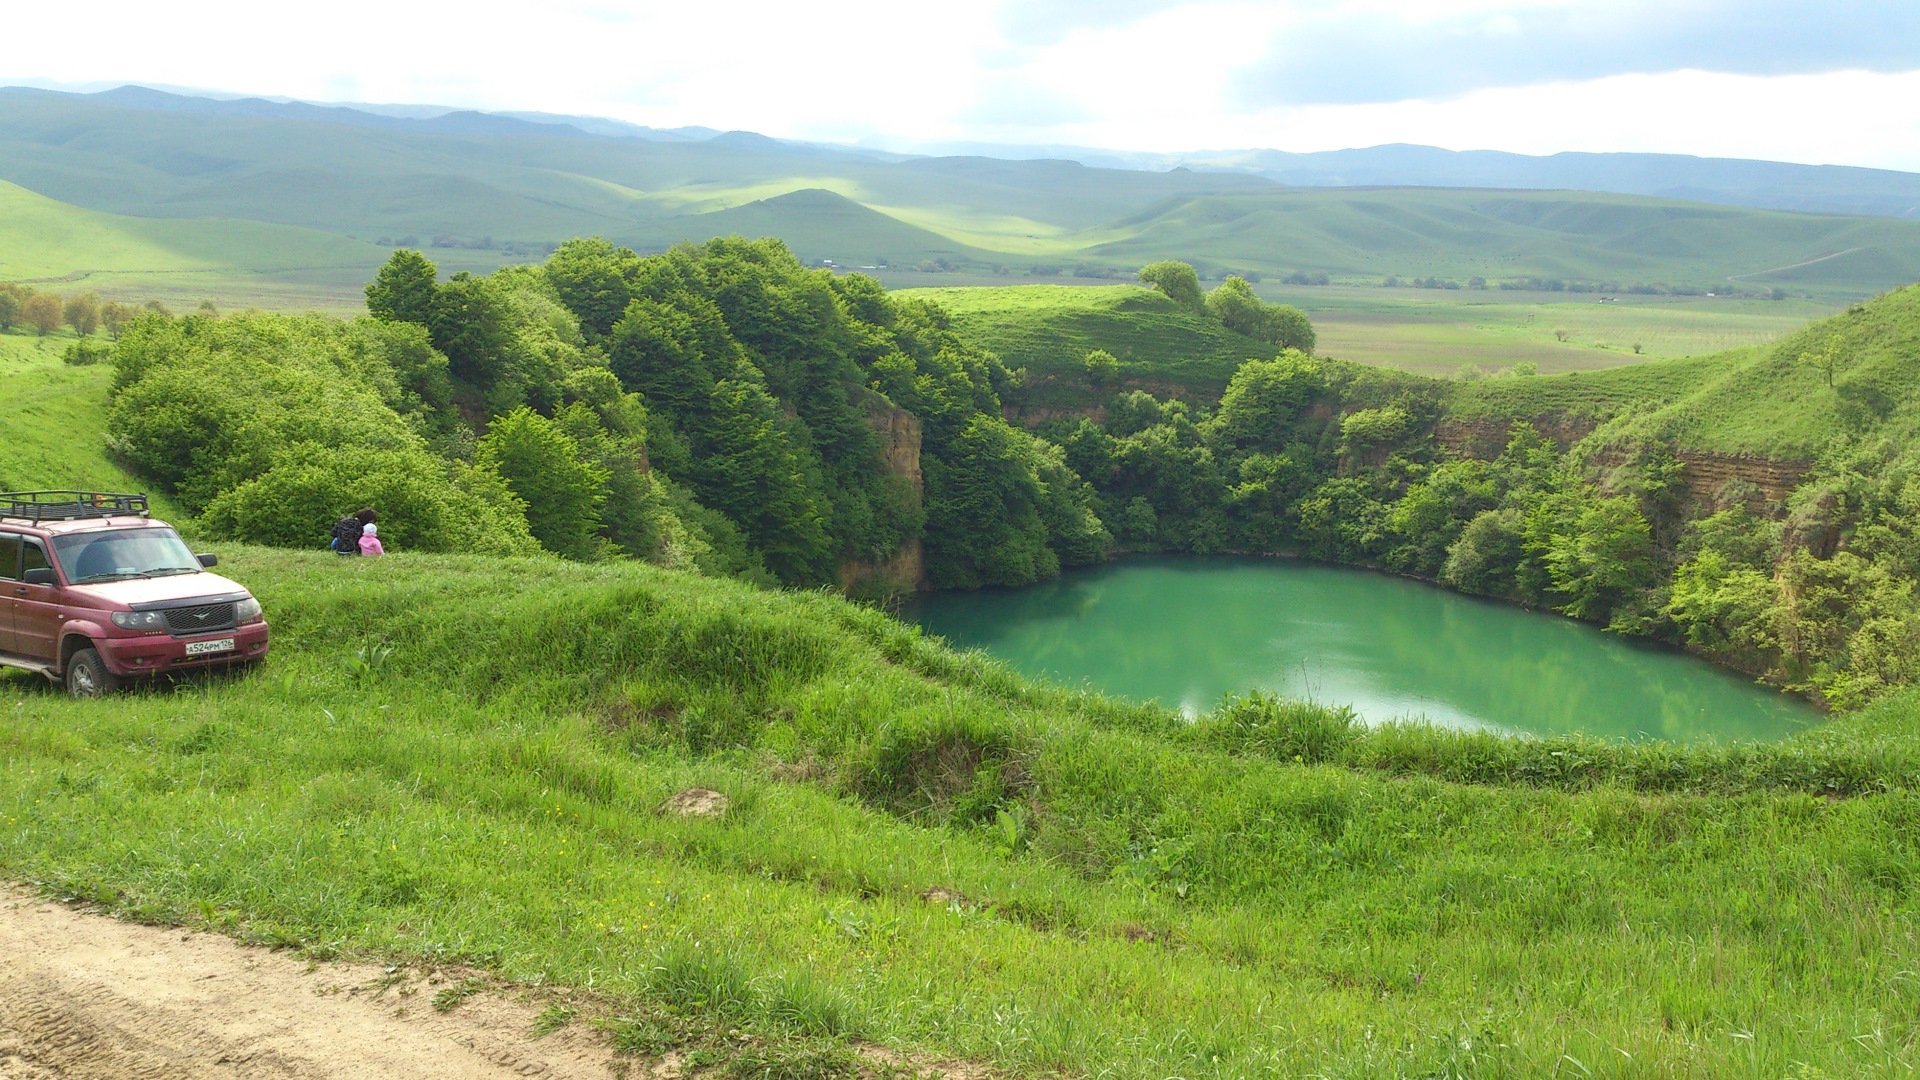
[(1187, 631)]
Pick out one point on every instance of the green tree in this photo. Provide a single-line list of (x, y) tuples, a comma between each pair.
[(1727, 610), (543, 468), (404, 289), (1597, 554), (1233, 302), (1102, 367), (752, 468), (11, 298), (1825, 359), (83, 313), (422, 507), (468, 321), (115, 316), (43, 312), (591, 277), (1486, 557), (1176, 279), (1267, 403), (984, 524)]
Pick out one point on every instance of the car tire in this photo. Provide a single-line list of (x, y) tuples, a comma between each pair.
[(87, 675)]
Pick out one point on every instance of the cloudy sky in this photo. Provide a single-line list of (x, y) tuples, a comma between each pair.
[(1792, 80)]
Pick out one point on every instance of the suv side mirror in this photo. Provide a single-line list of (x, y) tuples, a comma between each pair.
[(39, 575), (208, 559)]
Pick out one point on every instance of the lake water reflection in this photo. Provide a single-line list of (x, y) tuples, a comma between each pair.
[(1185, 632)]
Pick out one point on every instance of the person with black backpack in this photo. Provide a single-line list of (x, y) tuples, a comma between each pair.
[(346, 532)]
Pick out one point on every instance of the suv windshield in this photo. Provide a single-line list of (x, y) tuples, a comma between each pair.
[(123, 553)]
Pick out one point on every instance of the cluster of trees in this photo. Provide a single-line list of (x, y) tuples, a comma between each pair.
[(1233, 304), (1339, 463), (45, 312), (713, 406)]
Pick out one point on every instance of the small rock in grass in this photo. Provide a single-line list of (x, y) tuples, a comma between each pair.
[(696, 802)]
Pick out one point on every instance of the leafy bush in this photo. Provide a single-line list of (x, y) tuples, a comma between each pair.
[(422, 507)]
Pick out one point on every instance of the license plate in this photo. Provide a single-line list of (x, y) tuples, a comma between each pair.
[(201, 648)]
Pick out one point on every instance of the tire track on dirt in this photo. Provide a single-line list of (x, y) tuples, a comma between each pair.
[(83, 995)]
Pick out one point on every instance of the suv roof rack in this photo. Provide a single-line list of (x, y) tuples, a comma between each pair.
[(70, 505)]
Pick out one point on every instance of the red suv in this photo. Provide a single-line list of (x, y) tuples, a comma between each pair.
[(93, 591)]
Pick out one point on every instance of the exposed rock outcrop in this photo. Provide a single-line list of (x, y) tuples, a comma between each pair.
[(905, 570)]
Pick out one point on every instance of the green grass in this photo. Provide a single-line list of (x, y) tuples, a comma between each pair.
[(53, 423), (1501, 235), (60, 248), (1765, 400), (1119, 892), (1049, 329), (187, 186), (458, 759), (1440, 332)]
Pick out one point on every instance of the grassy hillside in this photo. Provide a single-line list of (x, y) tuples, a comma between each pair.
[(1049, 329), (1772, 400), (53, 425), (455, 759), (497, 188), (1439, 332), (922, 851), (1508, 234), (239, 262)]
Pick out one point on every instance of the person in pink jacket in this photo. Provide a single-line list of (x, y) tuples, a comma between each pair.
[(370, 540)]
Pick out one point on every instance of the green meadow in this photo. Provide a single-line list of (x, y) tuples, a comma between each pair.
[(297, 210), (924, 852), (1440, 332), (457, 759), (1049, 328)]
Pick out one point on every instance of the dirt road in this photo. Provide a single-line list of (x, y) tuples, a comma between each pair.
[(83, 995)]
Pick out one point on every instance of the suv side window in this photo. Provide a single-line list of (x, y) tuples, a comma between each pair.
[(9, 556), (33, 555)]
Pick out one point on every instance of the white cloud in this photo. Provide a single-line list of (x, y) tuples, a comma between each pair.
[(1159, 76)]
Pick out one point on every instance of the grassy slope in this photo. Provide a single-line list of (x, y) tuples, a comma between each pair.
[(1177, 908), (1765, 400), (1437, 332), (66, 248), (541, 185), (423, 774), (1505, 234), (1049, 329), (54, 419)]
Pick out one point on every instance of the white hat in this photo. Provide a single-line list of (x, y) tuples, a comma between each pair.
[(370, 529)]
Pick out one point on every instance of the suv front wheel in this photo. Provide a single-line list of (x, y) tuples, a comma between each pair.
[(87, 675)]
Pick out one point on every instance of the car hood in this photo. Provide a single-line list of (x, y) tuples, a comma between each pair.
[(162, 591)]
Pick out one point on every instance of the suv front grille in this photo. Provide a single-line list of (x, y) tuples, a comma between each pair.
[(199, 620)]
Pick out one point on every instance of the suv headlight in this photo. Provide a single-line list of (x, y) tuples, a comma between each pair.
[(247, 611), (139, 620)]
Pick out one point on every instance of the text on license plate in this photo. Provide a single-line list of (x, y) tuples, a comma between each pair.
[(201, 648)]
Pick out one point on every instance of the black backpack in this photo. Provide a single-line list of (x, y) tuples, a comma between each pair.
[(346, 536)]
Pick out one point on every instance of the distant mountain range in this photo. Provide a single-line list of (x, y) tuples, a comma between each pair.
[(516, 183), (1768, 185)]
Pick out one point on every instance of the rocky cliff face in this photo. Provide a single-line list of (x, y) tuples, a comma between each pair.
[(1769, 482), (1709, 477), (899, 432), (1486, 438), (905, 570)]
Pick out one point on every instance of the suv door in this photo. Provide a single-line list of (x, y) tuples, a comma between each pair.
[(36, 608), (11, 591)]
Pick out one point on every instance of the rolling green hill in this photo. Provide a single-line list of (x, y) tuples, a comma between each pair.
[(1773, 401), (1049, 329), (1504, 235), (63, 247), (494, 188)]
